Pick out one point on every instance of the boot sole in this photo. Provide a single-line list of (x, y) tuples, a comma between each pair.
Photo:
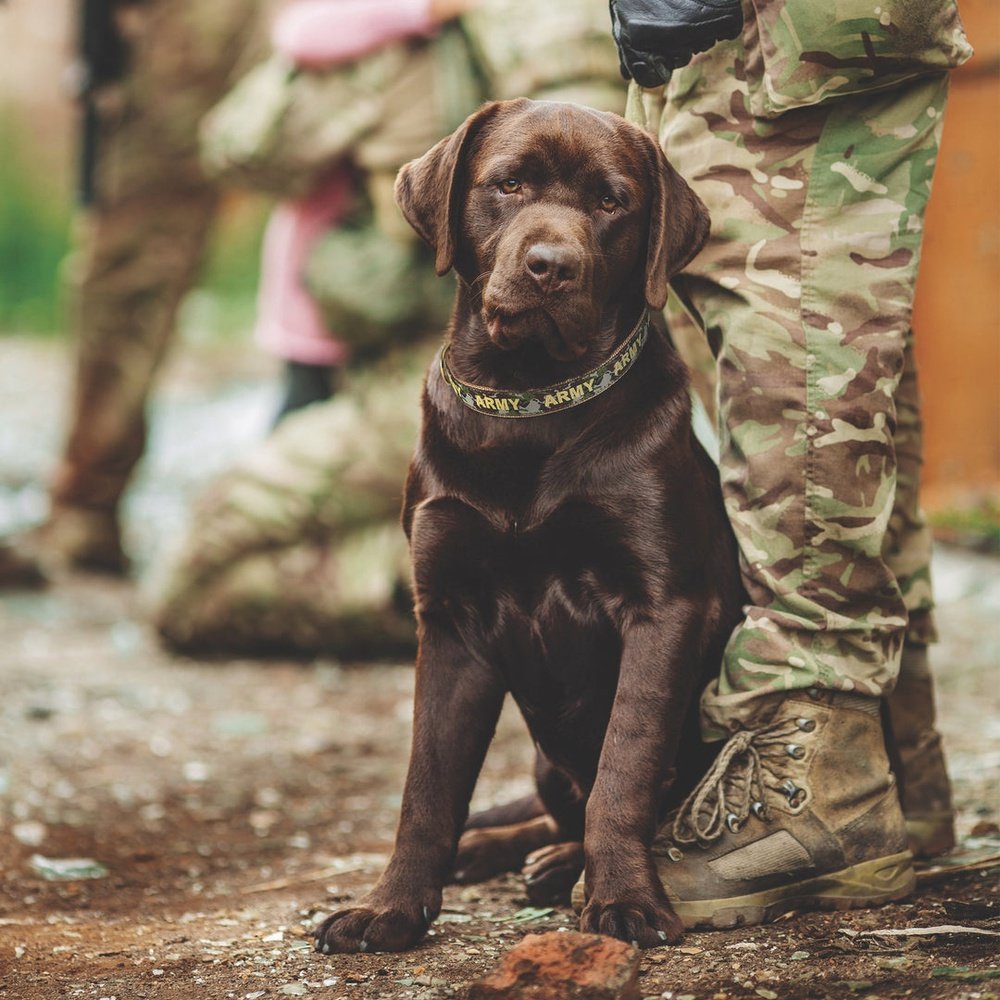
[(870, 883)]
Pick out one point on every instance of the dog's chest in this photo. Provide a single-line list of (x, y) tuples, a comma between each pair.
[(573, 570)]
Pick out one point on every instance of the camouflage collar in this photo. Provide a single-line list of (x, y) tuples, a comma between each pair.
[(551, 398)]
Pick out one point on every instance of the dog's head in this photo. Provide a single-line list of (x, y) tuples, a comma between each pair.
[(554, 216)]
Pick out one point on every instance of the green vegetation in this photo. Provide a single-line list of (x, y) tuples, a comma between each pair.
[(36, 217), (34, 239), (976, 527)]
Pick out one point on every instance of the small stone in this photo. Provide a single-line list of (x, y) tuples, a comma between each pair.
[(900, 962), (293, 990), (30, 833), (799, 956), (126, 637), (66, 869), (240, 724), (195, 771), (263, 819), (985, 828), (563, 965)]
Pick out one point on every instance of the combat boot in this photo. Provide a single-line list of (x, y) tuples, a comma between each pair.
[(72, 538), (77, 538), (19, 568), (798, 813), (924, 787)]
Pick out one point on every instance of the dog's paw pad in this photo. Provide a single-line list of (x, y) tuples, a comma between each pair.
[(645, 926), (373, 928)]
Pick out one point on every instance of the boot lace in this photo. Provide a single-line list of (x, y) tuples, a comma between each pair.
[(735, 784)]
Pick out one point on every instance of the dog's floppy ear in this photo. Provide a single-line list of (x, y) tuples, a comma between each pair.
[(678, 227), (429, 189)]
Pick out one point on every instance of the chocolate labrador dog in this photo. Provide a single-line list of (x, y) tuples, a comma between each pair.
[(568, 538)]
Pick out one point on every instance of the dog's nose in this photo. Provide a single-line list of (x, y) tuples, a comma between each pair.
[(552, 266)]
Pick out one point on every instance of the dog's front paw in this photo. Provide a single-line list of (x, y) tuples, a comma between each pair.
[(648, 924), (374, 926)]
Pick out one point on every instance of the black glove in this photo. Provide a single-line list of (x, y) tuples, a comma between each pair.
[(655, 37)]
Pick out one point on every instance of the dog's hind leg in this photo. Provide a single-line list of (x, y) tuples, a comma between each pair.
[(500, 839), (487, 851), (551, 872)]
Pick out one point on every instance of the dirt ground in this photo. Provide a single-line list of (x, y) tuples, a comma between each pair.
[(230, 805)]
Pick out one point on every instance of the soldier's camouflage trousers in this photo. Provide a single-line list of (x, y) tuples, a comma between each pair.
[(804, 293), (298, 549), (142, 242)]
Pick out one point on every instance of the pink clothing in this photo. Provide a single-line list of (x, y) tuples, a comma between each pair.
[(317, 33), (289, 323), (324, 32)]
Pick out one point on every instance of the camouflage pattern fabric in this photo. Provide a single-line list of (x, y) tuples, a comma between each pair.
[(141, 245), (279, 129), (804, 293), (800, 52), (299, 549), (376, 289), (558, 52)]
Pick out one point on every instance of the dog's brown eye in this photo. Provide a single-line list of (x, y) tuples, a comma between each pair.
[(609, 204), (509, 186)]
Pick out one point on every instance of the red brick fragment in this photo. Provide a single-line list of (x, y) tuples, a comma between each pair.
[(563, 965)]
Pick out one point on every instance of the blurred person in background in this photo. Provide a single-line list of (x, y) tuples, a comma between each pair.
[(149, 70), (148, 74), (347, 294)]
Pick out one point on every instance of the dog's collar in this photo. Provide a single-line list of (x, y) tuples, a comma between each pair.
[(551, 398)]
